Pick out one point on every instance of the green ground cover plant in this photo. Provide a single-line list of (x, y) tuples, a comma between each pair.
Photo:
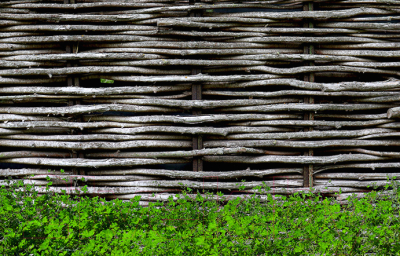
[(302, 224)]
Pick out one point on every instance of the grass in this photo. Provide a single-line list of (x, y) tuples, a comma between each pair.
[(302, 224)]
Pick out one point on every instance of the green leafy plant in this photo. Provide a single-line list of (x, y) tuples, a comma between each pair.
[(106, 81), (34, 223)]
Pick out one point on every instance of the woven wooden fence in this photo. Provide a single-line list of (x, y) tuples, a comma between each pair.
[(135, 97)]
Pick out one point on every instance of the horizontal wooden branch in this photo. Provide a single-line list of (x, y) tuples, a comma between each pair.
[(13, 22), (324, 87), (30, 171), (33, 52), (291, 30), (185, 52), (125, 128), (316, 15), (83, 38), (94, 137), (84, 56), (371, 166), (188, 154), (367, 87), (19, 154), (357, 176), (359, 96), (305, 135), (35, 98), (156, 32), (200, 119), (360, 53), (139, 1), (383, 99), (8, 81), (372, 65), (175, 174), (366, 151), (82, 109), (352, 117), (305, 107), (12, 117), (294, 159), (380, 36), (157, 6), (190, 78), (189, 23), (202, 104), (55, 127), (88, 91), (219, 20), (18, 34), (92, 163), (92, 70), (37, 130), (71, 27), (133, 41), (359, 25), (85, 5), (97, 145), (192, 130), (392, 125), (62, 99), (299, 144), (171, 63), (14, 10), (24, 64), (69, 179), (314, 189), (300, 70), (291, 57), (15, 47), (84, 99), (389, 134), (348, 183), (300, 39), (55, 18), (203, 185), (333, 124), (380, 46)]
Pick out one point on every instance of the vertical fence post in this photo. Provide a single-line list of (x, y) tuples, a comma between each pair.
[(196, 95), (311, 99), (308, 49), (74, 82)]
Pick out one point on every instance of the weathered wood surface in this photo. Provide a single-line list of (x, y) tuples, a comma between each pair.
[(129, 93)]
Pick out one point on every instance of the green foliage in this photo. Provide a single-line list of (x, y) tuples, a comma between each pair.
[(106, 81), (303, 224)]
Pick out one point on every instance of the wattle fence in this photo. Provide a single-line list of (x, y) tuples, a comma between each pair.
[(143, 97)]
